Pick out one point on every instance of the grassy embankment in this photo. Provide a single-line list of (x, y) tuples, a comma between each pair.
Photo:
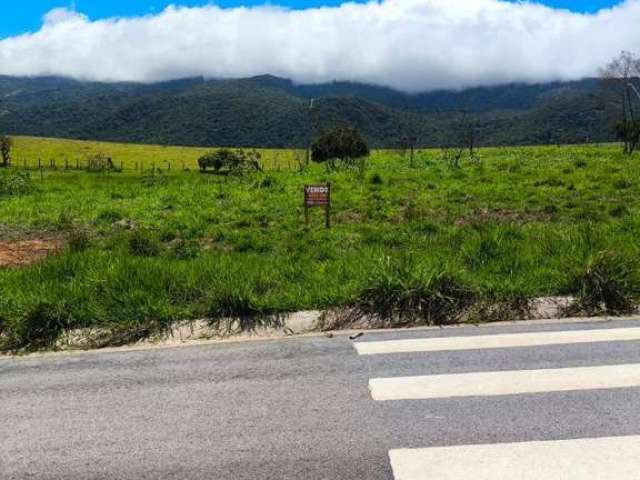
[(426, 241)]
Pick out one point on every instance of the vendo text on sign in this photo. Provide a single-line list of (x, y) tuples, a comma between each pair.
[(318, 196)]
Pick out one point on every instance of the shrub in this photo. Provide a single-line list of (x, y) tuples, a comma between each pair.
[(14, 183), (229, 161), (609, 282), (143, 244)]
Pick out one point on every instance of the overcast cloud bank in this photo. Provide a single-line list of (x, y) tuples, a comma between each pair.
[(412, 45)]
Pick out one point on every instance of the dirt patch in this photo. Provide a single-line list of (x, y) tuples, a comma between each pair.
[(25, 252), (504, 216)]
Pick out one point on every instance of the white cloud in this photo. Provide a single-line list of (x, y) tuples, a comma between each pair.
[(407, 44)]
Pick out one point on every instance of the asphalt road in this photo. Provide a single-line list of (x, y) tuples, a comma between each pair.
[(295, 409)]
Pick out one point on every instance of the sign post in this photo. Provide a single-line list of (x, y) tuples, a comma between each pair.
[(318, 196)]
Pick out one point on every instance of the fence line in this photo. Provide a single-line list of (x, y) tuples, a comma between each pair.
[(131, 166)]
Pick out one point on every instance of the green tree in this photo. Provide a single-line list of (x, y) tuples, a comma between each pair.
[(340, 144), (6, 143)]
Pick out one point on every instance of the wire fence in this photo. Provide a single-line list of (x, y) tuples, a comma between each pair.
[(273, 163)]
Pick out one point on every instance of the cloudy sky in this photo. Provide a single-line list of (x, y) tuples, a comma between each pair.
[(414, 45)]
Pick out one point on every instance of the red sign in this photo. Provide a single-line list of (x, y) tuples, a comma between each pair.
[(317, 195)]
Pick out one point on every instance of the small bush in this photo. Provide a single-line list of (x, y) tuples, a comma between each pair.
[(229, 161), (143, 244), (609, 283), (14, 183)]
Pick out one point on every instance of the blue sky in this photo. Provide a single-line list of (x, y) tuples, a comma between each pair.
[(21, 16)]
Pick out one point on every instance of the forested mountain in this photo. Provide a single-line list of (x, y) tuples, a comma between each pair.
[(267, 111)]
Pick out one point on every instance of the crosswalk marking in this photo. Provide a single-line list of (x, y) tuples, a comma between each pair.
[(510, 340), (505, 383), (585, 459)]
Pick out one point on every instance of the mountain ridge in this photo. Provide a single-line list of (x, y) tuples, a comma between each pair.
[(268, 111)]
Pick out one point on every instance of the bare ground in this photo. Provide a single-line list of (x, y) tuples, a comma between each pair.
[(18, 253)]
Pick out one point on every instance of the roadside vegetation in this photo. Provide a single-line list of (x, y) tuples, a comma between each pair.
[(420, 240)]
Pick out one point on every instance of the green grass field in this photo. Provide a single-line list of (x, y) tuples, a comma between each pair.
[(29, 150), (511, 225)]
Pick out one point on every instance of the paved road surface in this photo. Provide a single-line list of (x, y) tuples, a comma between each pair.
[(496, 402)]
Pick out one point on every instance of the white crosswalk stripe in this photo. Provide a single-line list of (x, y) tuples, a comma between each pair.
[(510, 340), (584, 459), (611, 458), (505, 383)]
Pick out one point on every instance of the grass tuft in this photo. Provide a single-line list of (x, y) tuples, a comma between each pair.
[(609, 283)]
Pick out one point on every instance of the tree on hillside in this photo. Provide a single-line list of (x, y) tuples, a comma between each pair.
[(6, 143), (621, 76), (340, 144)]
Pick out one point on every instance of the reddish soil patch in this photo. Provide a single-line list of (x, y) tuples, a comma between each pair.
[(26, 252)]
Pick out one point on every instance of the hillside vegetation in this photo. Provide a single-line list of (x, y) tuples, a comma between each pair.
[(271, 112), (133, 252)]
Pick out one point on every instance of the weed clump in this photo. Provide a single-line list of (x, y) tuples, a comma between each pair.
[(184, 249), (38, 329), (109, 216), (143, 244), (608, 283), (580, 163), (376, 179), (79, 240), (622, 184), (619, 211), (235, 312), (399, 297)]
